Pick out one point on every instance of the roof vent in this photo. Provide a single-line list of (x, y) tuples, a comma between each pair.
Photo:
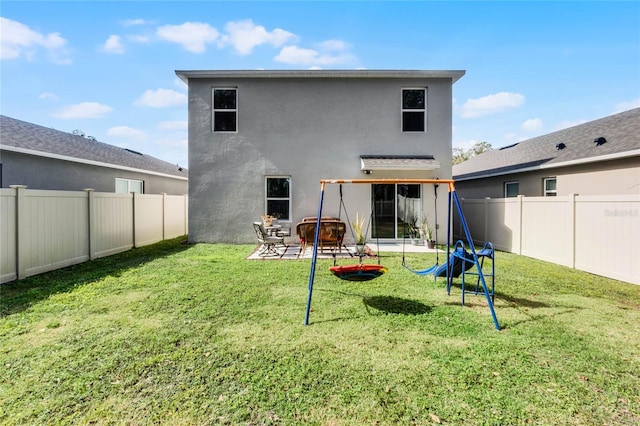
[(560, 146), (132, 151), (600, 141), (509, 146)]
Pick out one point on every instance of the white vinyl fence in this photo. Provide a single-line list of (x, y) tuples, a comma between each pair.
[(43, 230), (596, 234)]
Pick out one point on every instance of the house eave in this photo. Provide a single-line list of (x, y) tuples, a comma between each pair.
[(89, 162), (454, 75), (545, 166), (398, 162)]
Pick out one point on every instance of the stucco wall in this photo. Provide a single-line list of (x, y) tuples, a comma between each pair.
[(615, 177), (308, 129), (47, 173)]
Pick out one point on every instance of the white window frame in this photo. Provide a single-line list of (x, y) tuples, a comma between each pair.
[(403, 110), (267, 198), (549, 192), (214, 110), (129, 182), (512, 182)]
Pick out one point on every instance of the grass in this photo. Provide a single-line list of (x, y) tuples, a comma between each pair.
[(185, 335)]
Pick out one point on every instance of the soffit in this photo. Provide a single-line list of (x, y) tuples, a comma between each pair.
[(398, 162)]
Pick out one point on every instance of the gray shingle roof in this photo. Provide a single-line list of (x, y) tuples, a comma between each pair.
[(621, 131), (23, 135)]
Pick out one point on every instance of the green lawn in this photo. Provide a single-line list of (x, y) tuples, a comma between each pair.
[(185, 335)]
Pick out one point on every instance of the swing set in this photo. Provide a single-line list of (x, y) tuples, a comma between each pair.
[(458, 258)]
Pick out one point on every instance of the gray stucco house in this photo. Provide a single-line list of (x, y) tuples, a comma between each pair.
[(601, 157), (44, 158), (260, 142)]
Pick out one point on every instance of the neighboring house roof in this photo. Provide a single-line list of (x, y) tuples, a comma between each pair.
[(27, 138), (454, 75), (575, 145)]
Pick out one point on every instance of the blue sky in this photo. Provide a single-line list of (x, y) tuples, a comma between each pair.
[(107, 68)]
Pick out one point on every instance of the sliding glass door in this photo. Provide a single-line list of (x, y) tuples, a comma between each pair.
[(396, 208)]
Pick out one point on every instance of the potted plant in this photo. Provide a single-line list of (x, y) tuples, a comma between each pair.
[(267, 220), (427, 232), (415, 232), (358, 230)]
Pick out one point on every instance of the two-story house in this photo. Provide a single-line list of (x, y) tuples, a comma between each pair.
[(260, 142)]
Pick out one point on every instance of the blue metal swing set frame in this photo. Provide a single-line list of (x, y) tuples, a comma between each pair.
[(457, 255)]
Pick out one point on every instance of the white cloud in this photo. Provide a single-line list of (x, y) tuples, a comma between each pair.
[(531, 125), (244, 35), (126, 132), (47, 95), (83, 110), (298, 56), (18, 40), (133, 22), (625, 106), (113, 45), (178, 142), (162, 98), (333, 45), (138, 38), (173, 125), (193, 36), (491, 104)]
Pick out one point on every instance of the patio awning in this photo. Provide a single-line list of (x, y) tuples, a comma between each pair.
[(398, 162)]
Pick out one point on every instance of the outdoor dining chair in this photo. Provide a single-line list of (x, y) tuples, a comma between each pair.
[(269, 244)]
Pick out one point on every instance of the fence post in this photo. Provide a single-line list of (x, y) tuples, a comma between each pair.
[(134, 199), (572, 216), (90, 226), (21, 223), (520, 223), (164, 214), (185, 222)]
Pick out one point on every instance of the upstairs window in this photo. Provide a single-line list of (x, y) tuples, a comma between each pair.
[(279, 197), (511, 189), (550, 187), (225, 110), (414, 110)]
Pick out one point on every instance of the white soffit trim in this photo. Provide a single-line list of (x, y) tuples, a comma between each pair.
[(398, 162), (91, 162)]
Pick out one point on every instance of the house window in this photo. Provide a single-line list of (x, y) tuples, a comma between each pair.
[(550, 187), (126, 186), (414, 108), (278, 190), (511, 189), (225, 110)]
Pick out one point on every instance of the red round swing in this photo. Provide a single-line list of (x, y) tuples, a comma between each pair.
[(359, 272)]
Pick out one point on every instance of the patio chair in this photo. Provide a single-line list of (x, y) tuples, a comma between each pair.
[(269, 244)]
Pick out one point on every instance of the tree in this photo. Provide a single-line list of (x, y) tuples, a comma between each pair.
[(79, 132), (460, 154)]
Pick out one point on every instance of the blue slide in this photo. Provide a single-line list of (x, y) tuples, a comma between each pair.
[(455, 263)]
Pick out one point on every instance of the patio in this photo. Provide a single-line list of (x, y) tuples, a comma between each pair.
[(292, 251)]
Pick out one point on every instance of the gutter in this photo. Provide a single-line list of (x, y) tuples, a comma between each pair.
[(89, 162), (608, 157)]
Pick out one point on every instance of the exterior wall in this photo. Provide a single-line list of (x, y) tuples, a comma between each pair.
[(48, 173), (307, 129), (615, 177)]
